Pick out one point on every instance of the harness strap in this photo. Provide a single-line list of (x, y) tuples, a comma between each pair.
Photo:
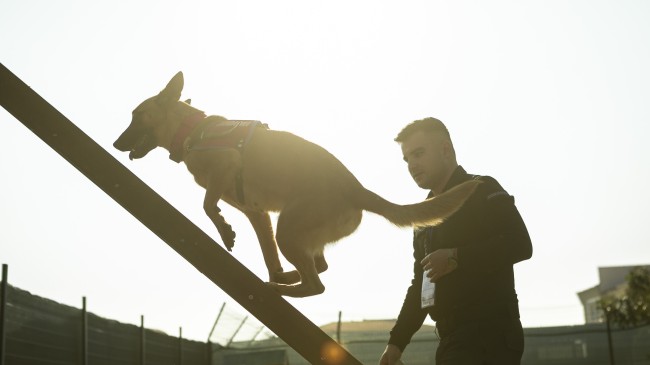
[(227, 134)]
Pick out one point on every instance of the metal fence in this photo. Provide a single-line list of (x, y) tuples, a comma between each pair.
[(567, 345), (38, 331), (35, 331)]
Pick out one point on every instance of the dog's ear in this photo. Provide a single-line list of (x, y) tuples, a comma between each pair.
[(188, 101), (172, 92)]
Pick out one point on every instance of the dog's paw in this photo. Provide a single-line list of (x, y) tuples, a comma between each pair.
[(290, 277), (229, 242), (227, 235), (295, 290), (283, 289)]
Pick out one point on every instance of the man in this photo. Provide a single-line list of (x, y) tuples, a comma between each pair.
[(468, 258)]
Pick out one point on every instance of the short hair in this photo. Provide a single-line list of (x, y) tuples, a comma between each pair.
[(431, 125)]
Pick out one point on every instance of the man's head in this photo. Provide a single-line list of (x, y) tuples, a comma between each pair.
[(429, 153)]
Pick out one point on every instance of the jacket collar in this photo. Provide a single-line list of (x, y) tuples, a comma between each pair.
[(458, 176)]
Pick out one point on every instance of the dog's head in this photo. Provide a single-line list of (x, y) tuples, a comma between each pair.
[(141, 136)]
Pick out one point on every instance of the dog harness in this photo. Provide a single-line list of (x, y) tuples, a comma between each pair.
[(219, 134)]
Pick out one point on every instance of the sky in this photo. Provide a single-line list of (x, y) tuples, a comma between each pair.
[(548, 97)]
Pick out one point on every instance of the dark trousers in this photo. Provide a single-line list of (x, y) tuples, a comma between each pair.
[(493, 340)]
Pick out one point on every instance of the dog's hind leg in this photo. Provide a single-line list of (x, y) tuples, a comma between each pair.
[(261, 223), (292, 277), (310, 283), (304, 229)]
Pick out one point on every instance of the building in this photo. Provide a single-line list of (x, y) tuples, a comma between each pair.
[(565, 345), (613, 282)]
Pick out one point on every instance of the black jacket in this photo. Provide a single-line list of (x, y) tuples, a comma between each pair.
[(490, 236)]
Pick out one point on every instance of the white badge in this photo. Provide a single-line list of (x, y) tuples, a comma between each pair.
[(428, 292)]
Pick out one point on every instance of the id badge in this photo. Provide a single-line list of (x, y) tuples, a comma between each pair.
[(428, 292)]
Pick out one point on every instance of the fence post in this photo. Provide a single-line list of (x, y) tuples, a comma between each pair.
[(3, 316), (208, 343), (609, 339), (338, 329), (209, 347), (252, 341), (216, 321), (180, 345), (84, 332), (142, 340), (236, 331)]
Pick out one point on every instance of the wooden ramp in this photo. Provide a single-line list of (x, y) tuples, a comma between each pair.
[(167, 223)]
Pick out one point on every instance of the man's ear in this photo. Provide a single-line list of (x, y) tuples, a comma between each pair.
[(448, 150), (172, 92)]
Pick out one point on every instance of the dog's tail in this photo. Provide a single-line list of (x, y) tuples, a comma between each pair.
[(429, 212)]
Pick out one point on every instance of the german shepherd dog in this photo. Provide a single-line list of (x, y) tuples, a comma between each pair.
[(258, 170)]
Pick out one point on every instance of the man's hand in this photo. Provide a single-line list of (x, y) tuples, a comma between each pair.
[(391, 356), (440, 263)]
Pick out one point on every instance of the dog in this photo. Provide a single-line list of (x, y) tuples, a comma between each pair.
[(258, 170)]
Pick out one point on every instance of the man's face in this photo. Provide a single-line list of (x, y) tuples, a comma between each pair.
[(424, 154)]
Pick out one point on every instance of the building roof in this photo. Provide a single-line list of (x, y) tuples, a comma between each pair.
[(613, 276), (610, 278), (585, 295), (367, 325)]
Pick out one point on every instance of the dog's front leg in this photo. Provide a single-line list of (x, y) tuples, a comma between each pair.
[(217, 184)]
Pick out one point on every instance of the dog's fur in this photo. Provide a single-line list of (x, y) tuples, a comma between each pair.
[(319, 201)]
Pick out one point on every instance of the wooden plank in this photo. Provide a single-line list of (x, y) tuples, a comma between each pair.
[(167, 223)]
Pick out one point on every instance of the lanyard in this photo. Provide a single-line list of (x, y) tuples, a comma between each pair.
[(428, 240)]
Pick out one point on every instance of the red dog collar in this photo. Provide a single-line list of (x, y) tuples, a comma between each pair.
[(184, 130)]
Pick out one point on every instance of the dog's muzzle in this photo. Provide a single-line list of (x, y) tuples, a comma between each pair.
[(137, 141)]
